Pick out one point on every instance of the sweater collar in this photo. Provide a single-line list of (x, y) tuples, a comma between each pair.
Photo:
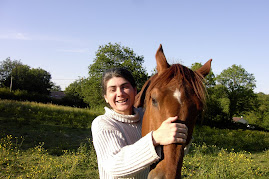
[(122, 118)]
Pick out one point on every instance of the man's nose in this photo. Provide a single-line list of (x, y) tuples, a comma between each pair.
[(120, 91)]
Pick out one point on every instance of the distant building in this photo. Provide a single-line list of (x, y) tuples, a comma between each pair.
[(57, 94), (240, 120)]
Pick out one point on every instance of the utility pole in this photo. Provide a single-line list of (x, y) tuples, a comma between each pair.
[(10, 87)]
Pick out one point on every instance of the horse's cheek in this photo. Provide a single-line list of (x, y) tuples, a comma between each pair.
[(149, 123), (146, 125)]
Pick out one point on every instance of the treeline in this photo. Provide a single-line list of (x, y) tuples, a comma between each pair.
[(230, 94), (23, 95), (23, 83)]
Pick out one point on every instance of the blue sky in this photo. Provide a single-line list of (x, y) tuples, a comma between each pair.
[(62, 36)]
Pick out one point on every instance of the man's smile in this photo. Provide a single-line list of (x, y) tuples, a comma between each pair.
[(122, 101)]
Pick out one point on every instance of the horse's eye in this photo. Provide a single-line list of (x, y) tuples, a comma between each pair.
[(154, 102)]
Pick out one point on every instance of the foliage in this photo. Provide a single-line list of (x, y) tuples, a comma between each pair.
[(18, 76), (110, 56), (208, 161), (232, 140), (239, 84), (23, 95), (54, 149), (209, 79), (260, 115), (235, 77), (217, 105), (74, 93), (224, 153), (55, 87), (46, 114), (37, 163), (6, 67)]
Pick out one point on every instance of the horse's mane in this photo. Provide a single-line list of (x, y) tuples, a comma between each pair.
[(183, 75)]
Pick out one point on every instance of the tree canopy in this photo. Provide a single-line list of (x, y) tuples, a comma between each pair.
[(239, 86), (236, 77), (18, 76), (111, 56), (209, 79), (6, 67)]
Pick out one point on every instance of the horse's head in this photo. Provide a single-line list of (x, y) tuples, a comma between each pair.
[(174, 91)]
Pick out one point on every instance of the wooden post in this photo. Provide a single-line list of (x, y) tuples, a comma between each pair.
[(10, 87)]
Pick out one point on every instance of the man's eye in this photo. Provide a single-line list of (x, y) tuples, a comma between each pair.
[(112, 90), (126, 87)]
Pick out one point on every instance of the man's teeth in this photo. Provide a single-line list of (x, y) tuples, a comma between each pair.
[(122, 101)]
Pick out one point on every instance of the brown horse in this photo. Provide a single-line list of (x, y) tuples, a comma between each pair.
[(174, 91)]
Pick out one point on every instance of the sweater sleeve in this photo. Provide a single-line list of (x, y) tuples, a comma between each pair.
[(119, 159)]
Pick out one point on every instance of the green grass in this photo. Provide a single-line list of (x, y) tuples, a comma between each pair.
[(211, 162), (38, 163), (49, 141), (38, 113), (233, 140), (58, 127)]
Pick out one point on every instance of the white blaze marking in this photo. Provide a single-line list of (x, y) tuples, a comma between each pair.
[(177, 95)]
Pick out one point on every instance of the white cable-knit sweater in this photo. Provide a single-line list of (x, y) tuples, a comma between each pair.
[(121, 152)]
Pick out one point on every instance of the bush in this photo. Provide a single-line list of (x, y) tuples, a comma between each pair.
[(237, 140), (6, 94), (23, 95)]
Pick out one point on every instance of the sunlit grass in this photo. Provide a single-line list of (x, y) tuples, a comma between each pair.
[(39, 113), (37, 163), (221, 163), (49, 141)]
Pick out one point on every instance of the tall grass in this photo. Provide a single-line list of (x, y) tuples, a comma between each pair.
[(211, 162), (224, 153), (59, 127), (233, 140), (37, 163), (49, 141), (202, 162), (32, 112)]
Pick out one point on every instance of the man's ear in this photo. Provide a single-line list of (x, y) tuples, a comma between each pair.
[(106, 98), (135, 91)]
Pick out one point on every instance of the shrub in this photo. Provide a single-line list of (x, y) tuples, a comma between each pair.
[(238, 140)]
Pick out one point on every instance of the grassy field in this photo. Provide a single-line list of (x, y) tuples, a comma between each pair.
[(48, 141)]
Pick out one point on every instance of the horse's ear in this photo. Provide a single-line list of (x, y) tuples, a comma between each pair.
[(205, 69), (162, 64), (140, 97)]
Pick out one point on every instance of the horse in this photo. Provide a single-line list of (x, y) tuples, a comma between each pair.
[(174, 91)]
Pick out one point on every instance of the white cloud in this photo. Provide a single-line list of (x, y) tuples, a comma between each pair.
[(21, 36), (42, 37), (15, 36)]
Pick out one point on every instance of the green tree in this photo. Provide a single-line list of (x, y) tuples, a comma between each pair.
[(19, 77), (41, 81), (74, 93), (217, 102), (110, 56), (23, 77), (217, 105), (260, 114), (209, 79), (55, 87), (6, 67), (240, 85)]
